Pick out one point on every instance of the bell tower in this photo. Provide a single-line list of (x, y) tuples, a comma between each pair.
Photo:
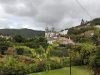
[(46, 32)]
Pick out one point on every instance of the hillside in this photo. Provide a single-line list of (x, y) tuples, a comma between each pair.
[(86, 26), (23, 32), (95, 21)]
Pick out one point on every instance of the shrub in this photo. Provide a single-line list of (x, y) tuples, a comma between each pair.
[(65, 61), (4, 46), (55, 63), (11, 66), (95, 61), (23, 50), (59, 52), (41, 66), (76, 61)]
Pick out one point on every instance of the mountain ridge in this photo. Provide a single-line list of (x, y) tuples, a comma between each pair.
[(28, 33)]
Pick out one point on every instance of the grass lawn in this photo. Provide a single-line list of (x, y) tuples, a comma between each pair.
[(65, 71)]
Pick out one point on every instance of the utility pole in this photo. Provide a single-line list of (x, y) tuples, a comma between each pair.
[(70, 58), (70, 63)]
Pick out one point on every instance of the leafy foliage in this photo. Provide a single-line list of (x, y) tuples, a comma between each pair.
[(4, 46), (81, 53), (24, 50), (95, 61)]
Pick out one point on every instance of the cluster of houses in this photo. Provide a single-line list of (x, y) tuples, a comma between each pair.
[(5, 36), (54, 36)]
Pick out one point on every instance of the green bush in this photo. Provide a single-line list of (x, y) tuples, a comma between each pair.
[(95, 61), (77, 61), (4, 46), (12, 66), (24, 50), (55, 65), (59, 52), (65, 61), (41, 66)]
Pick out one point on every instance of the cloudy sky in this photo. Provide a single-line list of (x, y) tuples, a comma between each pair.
[(36, 14)]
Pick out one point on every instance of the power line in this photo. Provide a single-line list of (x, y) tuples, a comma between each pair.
[(83, 8)]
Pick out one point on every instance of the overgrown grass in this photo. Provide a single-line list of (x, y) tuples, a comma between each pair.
[(76, 70)]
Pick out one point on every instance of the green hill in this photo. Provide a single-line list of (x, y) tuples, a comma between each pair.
[(95, 21), (28, 33), (88, 26)]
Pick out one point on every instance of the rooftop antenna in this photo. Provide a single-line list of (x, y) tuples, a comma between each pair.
[(52, 29), (46, 28)]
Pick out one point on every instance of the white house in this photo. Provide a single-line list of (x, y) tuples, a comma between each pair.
[(98, 26), (63, 32), (51, 35)]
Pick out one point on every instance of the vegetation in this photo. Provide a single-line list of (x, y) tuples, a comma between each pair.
[(86, 51), (20, 55), (95, 21), (27, 33), (95, 61)]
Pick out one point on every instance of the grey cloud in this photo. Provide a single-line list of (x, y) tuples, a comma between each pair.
[(51, 14), (60, 13), (8, 1), (21, 9)]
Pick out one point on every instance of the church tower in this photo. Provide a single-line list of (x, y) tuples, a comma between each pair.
[(47, 35), (82, 22)]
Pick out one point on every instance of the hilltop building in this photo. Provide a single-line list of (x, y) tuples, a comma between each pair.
[(5, 37), (63, 32), (53, 36)]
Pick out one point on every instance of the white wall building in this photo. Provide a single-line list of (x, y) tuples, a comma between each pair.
[(98, 26), (51, 35), (63, 32)]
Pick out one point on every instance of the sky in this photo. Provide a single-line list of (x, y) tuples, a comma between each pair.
[(37, 14)]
